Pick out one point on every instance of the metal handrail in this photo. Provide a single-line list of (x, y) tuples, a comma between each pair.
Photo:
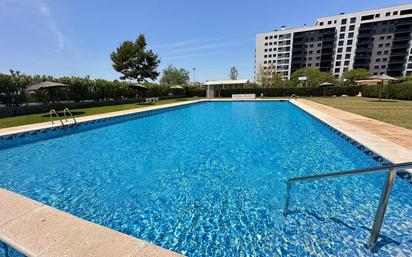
[(293, 96), (385, 194), (65, 117), (52, 111)]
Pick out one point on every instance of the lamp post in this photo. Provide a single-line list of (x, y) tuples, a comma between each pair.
[(194, 75)]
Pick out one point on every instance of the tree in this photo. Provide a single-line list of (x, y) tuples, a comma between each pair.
[(315, 76), (269, 77), (350, 76), (233, 73), (134, 61), (174, 76), (13, 88)]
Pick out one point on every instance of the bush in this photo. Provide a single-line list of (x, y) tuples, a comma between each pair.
[(392, 91), (300, 91)]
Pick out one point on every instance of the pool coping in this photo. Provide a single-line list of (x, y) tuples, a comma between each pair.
[(55, 233)]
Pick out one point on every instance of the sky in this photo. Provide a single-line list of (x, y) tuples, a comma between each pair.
[(76, 37)]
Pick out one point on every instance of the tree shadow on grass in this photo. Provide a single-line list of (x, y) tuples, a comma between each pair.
[(384, 101)]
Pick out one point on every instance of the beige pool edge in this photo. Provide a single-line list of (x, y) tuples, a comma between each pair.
[(36, 229)]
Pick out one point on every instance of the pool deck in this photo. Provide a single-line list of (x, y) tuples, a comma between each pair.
[(36, 229)]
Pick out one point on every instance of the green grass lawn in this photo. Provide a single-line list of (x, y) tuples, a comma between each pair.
[(396, 112), (42, 117)]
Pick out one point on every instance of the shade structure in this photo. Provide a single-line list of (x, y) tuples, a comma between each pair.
[(326, 84), (176, 87), (138, 87), (45, 85), (383, 77)]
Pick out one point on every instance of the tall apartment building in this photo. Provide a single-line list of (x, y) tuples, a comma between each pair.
[(378, 40)]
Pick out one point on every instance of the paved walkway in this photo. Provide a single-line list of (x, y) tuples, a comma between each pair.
[(395, 134)]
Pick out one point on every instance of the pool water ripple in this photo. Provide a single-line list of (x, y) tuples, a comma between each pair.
[(210, 180)]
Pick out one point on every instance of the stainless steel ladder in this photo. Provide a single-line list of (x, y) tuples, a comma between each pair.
[(65, 117), (385, 194), (66, 110), (52, 111)]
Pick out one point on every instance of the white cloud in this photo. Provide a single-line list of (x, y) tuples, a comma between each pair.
[(35, 13)]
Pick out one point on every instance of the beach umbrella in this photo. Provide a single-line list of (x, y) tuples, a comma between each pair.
[(324, 85), (176, 87), (139, 88), (383, 78), (46, 85)]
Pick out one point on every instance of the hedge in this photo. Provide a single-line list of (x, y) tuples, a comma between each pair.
[(397, 91), (300, 91)]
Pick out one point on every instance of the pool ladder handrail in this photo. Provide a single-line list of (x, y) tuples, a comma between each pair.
[(385, 194), (293, 96), (52, 111), (70, 113)]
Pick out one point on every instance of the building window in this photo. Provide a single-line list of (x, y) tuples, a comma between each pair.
[(265, 62), (337, 70), (386, 52), (337, 63), (319, 44), (266, 44), (350, 41), (317, 64), (395, 13), (377, 15), (339, 57), (378, 60), (340, 50), (353, 20), (321, 24), (387, 44), (382, 38), (266, 38), (343, 28), (346, 63), (351, 27), (271, 37), (380, 45), (341, 36), (340, 43), (265, 56), (343, 21), (389, 37), (350, 35), (379, 53), (383, 67), (348, 49), (405, 12), (266, 50), (329, 22), (318, 51), (270, 43), (388, 14), (385, 59), (376, 67), (347, 56)]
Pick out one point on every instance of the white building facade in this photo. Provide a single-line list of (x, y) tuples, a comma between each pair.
[(378, 40)]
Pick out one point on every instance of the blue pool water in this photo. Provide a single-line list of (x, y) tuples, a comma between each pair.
[(210, 180)]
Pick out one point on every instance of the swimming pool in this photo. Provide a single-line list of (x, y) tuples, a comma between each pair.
[(210, 180)]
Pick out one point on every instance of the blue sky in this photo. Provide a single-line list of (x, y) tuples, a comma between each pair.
[(76, 37)]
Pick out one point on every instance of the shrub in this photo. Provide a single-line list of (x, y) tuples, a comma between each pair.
[(393, 91), (300, 91)]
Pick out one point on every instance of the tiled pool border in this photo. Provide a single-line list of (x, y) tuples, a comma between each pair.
[(113, 118)]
